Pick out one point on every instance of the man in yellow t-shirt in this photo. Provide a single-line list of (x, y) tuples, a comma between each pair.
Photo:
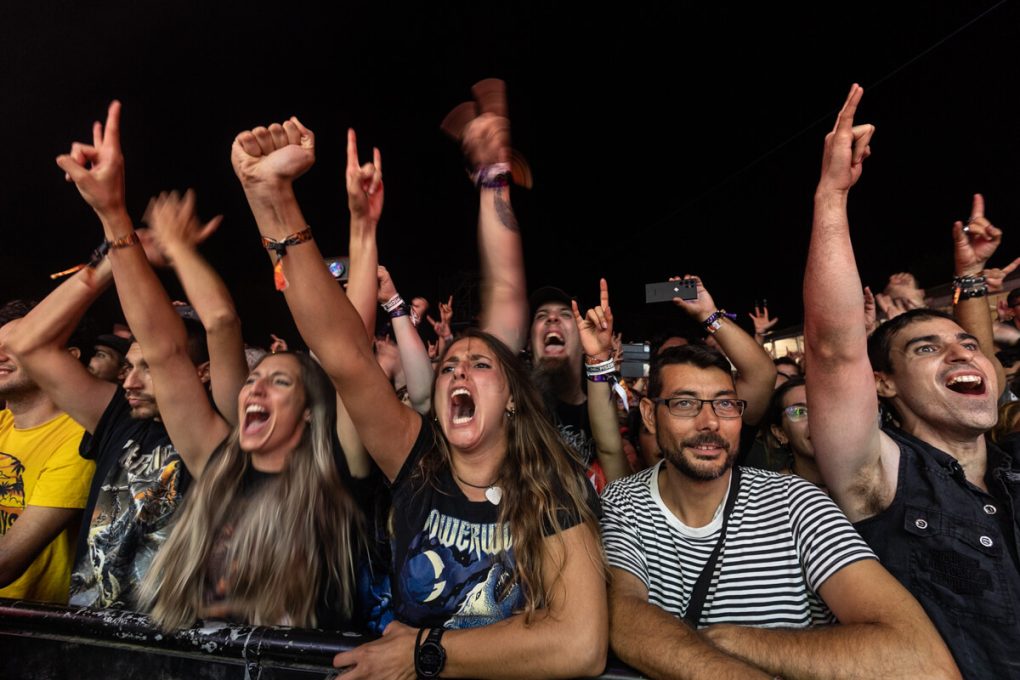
[(44, 484)]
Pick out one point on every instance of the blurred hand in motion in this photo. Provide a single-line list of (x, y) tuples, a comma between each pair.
[(174, 223)]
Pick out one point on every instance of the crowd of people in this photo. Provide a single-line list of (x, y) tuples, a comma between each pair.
[(502, 502)]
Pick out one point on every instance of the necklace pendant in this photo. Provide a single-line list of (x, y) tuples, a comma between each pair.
[(494, 494)]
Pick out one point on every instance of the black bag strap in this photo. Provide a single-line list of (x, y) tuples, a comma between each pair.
[(701, 585)]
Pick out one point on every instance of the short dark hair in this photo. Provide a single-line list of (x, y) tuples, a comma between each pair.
[(82, 336), (786, 361), (699, 356), (1008, 356), (198, 348), (774, 415), (15, 309), (880, 342)]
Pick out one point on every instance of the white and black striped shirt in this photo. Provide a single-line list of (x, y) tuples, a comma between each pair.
[(785, 538)]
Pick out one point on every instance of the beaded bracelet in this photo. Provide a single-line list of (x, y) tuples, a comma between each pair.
[(969, 287)]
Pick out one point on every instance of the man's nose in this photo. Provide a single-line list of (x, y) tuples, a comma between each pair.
[(706, 418)]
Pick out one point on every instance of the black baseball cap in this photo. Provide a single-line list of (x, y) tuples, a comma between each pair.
[(547, 294)]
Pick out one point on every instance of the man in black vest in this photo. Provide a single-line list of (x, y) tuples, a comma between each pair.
[(936, 502)]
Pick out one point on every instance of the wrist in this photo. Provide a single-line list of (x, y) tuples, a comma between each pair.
[(826, 195), (268, 193), (598, 357)]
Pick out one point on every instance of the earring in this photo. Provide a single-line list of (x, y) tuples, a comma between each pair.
[(511, 412)]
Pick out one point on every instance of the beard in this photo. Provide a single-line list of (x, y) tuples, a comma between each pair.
[(676, 458), (554, 376)]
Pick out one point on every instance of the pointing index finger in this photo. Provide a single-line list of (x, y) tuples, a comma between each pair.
[(845, 119), (977, 207), (352, 149), (112, 132), (603, 293)]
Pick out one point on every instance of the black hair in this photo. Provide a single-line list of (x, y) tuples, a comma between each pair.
[(660, 339), (786, 361), (880, 342), (699, 356), (774, 414), (83, 336)]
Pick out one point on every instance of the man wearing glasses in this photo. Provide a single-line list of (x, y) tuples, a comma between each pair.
[(718, 571)]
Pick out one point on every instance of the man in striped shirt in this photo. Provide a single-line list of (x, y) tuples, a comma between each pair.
[(788, 558)]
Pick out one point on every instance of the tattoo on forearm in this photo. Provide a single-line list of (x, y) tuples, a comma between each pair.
[(505, 211)]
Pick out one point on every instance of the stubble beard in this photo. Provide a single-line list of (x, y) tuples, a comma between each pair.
[(680, 462)]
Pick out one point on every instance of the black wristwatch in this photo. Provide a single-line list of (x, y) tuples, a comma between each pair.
[(429, 656)]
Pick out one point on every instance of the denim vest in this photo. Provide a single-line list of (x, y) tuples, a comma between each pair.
[(954, 547)]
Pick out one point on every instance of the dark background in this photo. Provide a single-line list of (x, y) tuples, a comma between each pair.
[(664, 138)]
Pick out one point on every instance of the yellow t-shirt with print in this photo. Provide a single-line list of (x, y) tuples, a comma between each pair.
[(41, 466)]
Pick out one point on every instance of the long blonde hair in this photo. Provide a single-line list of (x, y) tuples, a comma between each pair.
[(540, 478), (298, 535)]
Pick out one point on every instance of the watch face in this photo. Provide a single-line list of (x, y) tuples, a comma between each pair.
[(430, 658)]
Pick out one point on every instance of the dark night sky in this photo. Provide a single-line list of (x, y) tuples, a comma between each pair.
[(664, 138)]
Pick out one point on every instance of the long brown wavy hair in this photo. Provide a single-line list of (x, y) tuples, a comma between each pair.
[(297, 534), (540, 476)]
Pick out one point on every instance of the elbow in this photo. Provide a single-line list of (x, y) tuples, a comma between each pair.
[(222, 321), (588, 660), (587, 648)]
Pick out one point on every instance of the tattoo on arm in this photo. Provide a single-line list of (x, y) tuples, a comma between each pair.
[(504, 211)]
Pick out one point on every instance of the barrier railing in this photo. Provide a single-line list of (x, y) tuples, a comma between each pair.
[(40, 642)]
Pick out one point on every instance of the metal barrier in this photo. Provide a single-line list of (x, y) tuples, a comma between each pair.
[(44, 642)]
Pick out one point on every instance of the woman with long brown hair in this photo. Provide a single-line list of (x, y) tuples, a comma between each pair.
[(497, 560)]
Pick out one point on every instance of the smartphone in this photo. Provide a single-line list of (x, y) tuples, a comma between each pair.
[(665, 291), (339, 267)]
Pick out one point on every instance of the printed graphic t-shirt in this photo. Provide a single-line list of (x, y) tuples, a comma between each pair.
[(453, 564), (138, 487), (40, 466)]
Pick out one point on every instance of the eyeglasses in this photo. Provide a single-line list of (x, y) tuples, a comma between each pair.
[(689, 407), (795, 413)]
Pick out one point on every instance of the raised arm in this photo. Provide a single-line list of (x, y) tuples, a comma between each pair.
[(756, 373), (193, 425), (38, 342), (840, 382), (973, 245), (567, 639), (365, 201), (483, 129), (413, 356), (267, 161), (883, 633), (207, 293), (596, 332)]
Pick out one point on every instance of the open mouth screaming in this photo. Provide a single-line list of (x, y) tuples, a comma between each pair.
[(973, 385), (462, 406), (255, 418)]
